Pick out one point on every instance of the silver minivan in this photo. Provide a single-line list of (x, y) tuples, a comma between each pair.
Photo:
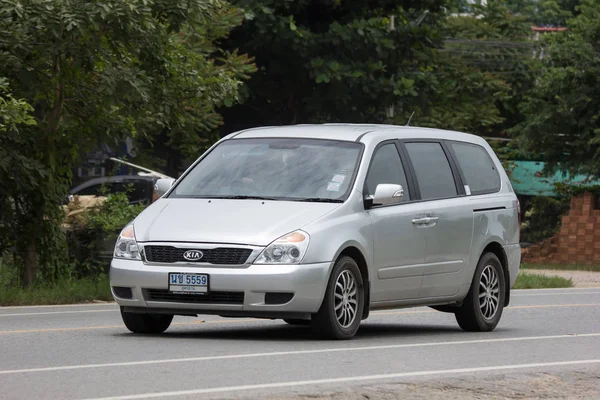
[(319, 225)]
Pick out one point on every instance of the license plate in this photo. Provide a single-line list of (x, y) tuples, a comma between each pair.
[(188, 283)]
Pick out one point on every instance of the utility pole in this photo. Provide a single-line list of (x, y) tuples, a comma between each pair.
[(390, 110)]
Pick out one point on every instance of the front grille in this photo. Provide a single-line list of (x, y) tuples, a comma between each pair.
[(220, 255), (209, 298)]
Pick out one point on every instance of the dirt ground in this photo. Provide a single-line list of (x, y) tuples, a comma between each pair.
[(568, 385), (580, 278)]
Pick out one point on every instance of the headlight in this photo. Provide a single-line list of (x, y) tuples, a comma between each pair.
[(126, 246), (288, 249)]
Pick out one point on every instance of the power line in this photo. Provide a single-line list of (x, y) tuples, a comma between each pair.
[(489, 42), (483, 52)]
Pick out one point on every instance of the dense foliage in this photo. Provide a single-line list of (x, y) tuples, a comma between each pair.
[(543, 218), (360, 61), (552, 13), (563, 110), (479, 76), (93, 233), (332, 61), (19, 172), (94, 72)]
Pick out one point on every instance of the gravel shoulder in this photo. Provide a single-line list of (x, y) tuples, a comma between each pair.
[(566, 385), (579, 278)]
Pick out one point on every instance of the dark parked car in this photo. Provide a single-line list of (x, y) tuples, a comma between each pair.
[(139, 188)]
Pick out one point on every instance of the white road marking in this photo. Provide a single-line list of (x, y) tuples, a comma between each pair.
[(295, 352), (57, 312), (107, 303), (552, 294), (348, 379), (553, 289)]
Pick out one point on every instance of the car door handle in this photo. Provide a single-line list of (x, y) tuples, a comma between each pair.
[(425, 221)]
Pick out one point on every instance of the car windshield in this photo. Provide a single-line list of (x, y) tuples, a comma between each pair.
[(275, 169)]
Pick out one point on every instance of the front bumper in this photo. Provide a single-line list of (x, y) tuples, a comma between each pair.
[(306, 282)]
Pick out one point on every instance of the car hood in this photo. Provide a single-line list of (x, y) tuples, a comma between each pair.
[(251, 222)]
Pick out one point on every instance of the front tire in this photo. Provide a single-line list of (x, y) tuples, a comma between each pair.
[(482, 308), (146, 323), (342, 309)]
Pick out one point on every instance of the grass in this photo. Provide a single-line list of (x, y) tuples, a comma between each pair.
[(63, 292), (534, 281), (563, 267)]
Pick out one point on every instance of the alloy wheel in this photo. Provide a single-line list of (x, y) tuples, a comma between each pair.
[(345, 301), (489, 288)]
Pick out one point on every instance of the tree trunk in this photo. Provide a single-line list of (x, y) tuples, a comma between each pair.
[(173, 167), (30, 263)]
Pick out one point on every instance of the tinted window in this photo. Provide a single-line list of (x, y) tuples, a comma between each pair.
[(432, 168), (477, 168), (386, 167)]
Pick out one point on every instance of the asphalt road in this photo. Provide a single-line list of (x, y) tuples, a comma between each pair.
[(84, 352)]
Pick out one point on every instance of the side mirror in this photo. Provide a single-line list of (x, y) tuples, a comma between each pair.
[(162, 186), (387, 193)]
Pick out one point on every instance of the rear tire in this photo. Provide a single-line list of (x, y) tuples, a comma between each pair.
[(342, 309), (146, 323), (482, 308), (298, 322)]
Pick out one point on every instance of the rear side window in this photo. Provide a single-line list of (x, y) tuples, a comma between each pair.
[(432, 169), (386, 167), (477, 168)]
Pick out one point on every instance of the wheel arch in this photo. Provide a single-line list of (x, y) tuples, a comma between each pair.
[(497, 249), (353, 251)]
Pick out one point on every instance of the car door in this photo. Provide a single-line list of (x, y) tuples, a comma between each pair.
[(445, 217), (398, 244)]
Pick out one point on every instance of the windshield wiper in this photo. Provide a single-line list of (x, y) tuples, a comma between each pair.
[(244, 197), (240, 197), (320, 200)]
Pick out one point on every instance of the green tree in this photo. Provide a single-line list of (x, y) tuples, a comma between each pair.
[(544, 12), (479, 76), (20, 173), (563, 110), (332, 60), (97, 71)]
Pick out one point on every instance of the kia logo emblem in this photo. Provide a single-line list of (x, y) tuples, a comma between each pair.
[(193, 255)]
